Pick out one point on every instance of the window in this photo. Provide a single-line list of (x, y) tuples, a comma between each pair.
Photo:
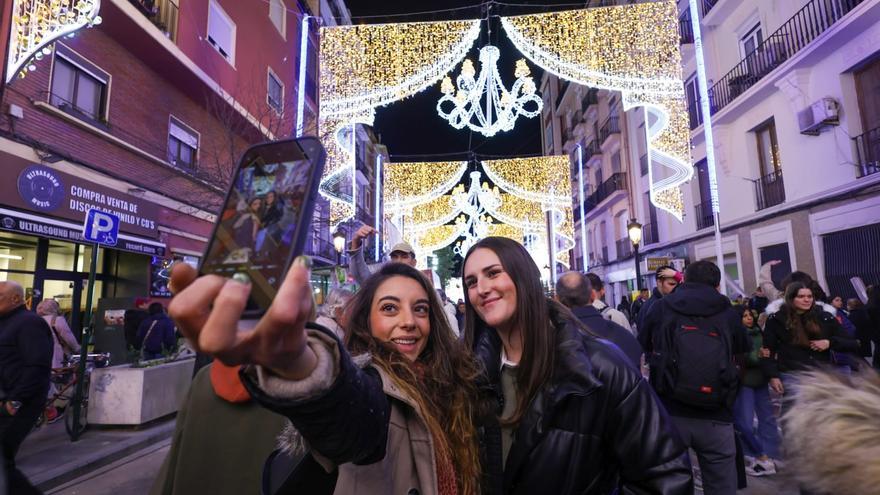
[(183, 145), (77, 90), (221, 31), (692, 93), (751, 40), (768, 149), (615, 163), (275, 92), (278, 16)]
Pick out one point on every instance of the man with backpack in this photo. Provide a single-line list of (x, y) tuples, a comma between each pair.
[(691, 337), (597, 294)]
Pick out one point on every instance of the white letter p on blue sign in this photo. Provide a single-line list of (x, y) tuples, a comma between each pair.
[(101, 227)]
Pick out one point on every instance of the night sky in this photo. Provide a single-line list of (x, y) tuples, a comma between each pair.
[(412, 127)]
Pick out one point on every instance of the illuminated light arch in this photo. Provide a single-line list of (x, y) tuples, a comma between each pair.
[(36, 24)]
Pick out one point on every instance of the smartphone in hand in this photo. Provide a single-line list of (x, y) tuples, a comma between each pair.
[(266, 216)]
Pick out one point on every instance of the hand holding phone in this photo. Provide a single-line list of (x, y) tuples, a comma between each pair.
[(265, 219), (208, 311)]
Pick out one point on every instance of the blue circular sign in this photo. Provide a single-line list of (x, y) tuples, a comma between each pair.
[(41, 188)]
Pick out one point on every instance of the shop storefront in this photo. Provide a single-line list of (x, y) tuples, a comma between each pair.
[(41, 244)]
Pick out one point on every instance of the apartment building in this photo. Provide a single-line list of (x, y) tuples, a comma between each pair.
[(793, 94), (145, 114), (793, 88)]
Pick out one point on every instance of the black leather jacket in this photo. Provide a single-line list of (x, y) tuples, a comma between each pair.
[(596, 427)]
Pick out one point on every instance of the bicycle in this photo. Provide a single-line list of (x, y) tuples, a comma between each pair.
[(65, 380)]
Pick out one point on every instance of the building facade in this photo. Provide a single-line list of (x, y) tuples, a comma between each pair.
[(144, 115), (792, 88)]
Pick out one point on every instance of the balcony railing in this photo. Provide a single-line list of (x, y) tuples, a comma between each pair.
[(322, 248), (868, 152), (649, 234), (708, 4), (624, 248), (163, 13), (592, 98), (617, 182), (705, 218), (798, 32), (592, 149), (769, 190), (685, 28), (611, 126)]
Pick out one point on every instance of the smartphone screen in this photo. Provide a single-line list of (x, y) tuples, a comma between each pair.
[(259, 229)]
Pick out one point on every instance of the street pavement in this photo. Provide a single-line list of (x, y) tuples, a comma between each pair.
[(131, 475)]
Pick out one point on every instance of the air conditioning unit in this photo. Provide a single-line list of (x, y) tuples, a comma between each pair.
[(822, 113)]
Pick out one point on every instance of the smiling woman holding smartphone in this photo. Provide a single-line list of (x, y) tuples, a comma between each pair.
[(400, 418)]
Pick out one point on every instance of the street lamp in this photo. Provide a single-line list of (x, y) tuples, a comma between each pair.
[(634, 229), (339, 245)]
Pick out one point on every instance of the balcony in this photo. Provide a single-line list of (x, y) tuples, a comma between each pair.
[(592, 149), (868, 152), (649, 234), (592, 98), (798, 32), (624, 248), (609, 128), (707, 5), (163, 13), (322, 248), (769, 190), (685, 28), (703, 212), (617, 182)]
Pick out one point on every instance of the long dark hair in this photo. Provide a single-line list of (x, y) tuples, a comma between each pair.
[(442, 381), (802, 326), (534, 316)]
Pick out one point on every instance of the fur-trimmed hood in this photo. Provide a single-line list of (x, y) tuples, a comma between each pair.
[(776, 305), (832, 439)]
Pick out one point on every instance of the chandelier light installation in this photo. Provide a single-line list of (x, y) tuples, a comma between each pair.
[(482, 103), (36, 24), (475, 204)]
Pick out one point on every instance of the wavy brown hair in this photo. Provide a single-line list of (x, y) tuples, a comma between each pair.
[(533, 316), (802, 326), (442, 381)]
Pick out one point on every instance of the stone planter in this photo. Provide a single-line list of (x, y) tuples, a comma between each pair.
[(122, 395)]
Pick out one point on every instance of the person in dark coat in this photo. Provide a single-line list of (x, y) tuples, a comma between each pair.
[(858, 315), (132, 322), (801, 336), (156, 333), (667, 280), (573, 291), (709, 432), (26, 349), (573, 415)]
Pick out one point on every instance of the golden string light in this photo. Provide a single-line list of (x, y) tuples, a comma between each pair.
[(38, 23), (629, 48), (545, 179), (365, 66), (407, 184)]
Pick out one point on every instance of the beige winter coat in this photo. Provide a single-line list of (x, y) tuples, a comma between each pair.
[(409, 462)]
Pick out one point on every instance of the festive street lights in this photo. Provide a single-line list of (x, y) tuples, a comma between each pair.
[(634, 229), (339, 245)]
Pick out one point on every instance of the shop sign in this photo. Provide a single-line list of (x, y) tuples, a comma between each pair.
[(24, 225), (41, 189), (654, 263)]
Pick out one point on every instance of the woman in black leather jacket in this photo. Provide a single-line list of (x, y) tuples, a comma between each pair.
[(573, 416)]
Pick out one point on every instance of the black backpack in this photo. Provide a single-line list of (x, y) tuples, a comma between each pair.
[(692, 361)]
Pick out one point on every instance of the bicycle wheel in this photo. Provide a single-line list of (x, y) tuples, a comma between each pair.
[(80, 426)]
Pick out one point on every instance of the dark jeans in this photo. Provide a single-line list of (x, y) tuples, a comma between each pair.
[(13, 431), (751, 402), (715, 446)]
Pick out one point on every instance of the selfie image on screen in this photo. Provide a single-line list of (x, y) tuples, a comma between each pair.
[(258, 222)]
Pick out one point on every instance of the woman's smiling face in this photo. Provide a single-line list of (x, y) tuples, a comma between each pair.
[(400, 316)]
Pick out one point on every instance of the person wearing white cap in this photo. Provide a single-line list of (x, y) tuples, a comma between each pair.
[(402, 252)]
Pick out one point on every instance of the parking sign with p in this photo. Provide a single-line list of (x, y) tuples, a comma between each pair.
[(101, 227)]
